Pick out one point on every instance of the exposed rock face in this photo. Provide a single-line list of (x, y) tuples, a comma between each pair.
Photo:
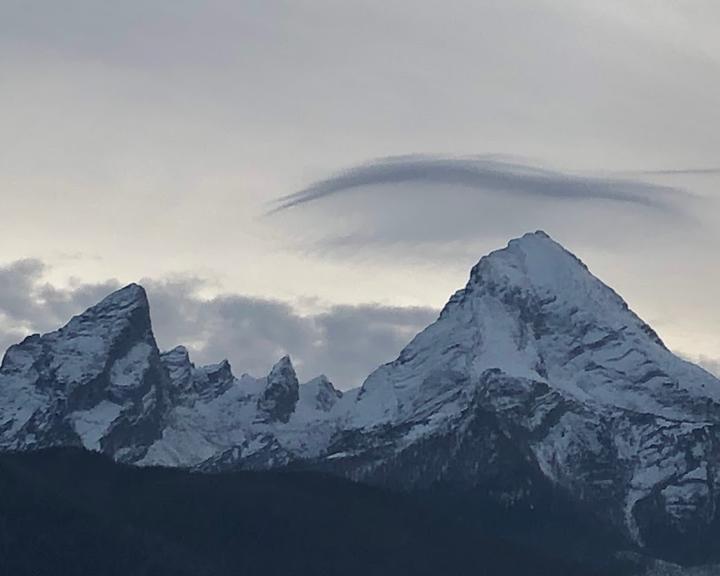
[(535, 377), (180, 371), (96, 382), (188, 381), (281, 393)]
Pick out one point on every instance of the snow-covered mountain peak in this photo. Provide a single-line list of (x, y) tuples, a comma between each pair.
[(207, 381), (178, 351), (537, 349), (214, 379), (87, 381), (177, 358), (117, 326), (319, 393), (128, 296), (536, 265), (179, 368), (128, 304), (221, 370), (534, 311), (284, 365)]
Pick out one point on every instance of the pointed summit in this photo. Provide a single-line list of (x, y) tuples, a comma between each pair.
[(534, 258), (179, 352), (571, 375), (130, 294), (281, 394), (320, 393), (101, 364), (126, 308), (179, 368), (214, 379), (121, 303), (533, 310), (282, 365), (535, 271)]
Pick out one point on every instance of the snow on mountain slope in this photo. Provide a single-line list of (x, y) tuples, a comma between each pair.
[(536, 374), (319, 394), (534, 311), (585, 392), (91, 382), (101, 382), (248, 422)]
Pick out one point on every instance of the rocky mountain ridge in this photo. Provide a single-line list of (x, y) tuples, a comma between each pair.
[(100, 382), (536, 377)]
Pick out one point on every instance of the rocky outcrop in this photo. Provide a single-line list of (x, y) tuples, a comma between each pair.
[(281, 394)]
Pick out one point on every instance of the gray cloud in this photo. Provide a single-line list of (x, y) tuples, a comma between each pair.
[(344, 342), (449, 210), (27, 304), (712, 171), (27, 301), (485, 173), (174, 120)]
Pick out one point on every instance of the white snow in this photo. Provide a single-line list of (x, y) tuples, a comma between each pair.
[(43, 370), (129, 371), (91, 425), (533, 336)]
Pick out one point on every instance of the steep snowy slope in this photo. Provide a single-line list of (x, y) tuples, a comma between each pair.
[(535, 379), (538, 367), (534, 311)]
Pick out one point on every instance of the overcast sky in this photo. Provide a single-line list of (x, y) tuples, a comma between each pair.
[(286, 175)]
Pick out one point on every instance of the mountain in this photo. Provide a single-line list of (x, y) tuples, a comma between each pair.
[(536, 389), (217, 421), (100, 382), (538, 377)]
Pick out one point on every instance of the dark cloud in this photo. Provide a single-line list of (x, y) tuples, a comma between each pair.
[(485, 173), (28, 302), (344, 342)]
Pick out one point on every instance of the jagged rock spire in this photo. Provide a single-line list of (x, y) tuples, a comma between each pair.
[(281, 393)]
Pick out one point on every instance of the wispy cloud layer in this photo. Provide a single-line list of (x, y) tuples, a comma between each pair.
[(484, 173), (447, 208)]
